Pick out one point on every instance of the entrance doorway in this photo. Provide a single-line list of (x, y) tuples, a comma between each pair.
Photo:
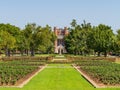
[(60, 51)]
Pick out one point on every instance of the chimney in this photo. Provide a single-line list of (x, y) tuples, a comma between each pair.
[(55, 30)]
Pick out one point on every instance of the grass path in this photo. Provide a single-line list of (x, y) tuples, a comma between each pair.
[(58, 77)]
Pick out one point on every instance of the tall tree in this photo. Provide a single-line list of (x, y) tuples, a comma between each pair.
[(76, 41), (116, 44), (102, 39), (13, 31), (30, 32), (47, 38), (7, 42), (39, 38)]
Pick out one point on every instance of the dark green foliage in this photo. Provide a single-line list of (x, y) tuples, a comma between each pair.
[(76, 41), (101, 71), (83, 39), (38, 38), (87, 39), (8, 37), (33, 39), (101, 39), (12, 71)]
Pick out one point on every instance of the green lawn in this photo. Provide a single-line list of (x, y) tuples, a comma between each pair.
[(118, 62), (58, 77)]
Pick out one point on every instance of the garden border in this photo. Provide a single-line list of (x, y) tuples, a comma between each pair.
[(21, 85), (27, 80), (96, 85)]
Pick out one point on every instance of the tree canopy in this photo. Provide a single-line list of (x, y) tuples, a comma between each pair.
[(83, 39), (31, 39)]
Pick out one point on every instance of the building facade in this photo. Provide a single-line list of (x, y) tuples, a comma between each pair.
[(59, 42)]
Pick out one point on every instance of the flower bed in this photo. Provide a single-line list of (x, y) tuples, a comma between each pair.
[(101, 71), (12, 71)]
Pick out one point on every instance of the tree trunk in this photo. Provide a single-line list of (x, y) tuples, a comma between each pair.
[(81, 52), (8, 52), (105, 54), (21, 52), (32, 52), (94, 53), (27, 52), (12, 52), (99, 53)]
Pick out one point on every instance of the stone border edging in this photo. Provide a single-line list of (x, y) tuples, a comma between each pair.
[(96, 85), (27, 80), (88, 78)]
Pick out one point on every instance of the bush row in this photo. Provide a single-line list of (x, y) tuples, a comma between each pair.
[(12, 71), (102, 71), (26, 58), (73, 58)]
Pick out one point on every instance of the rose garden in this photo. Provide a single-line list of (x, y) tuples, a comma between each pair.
[(37, 58)]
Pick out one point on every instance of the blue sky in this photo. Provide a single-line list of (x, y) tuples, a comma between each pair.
[(60, 12)]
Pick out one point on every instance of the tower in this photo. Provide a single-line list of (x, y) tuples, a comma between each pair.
[(59, 43)]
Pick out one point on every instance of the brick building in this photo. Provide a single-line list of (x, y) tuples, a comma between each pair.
[(59, 42)]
